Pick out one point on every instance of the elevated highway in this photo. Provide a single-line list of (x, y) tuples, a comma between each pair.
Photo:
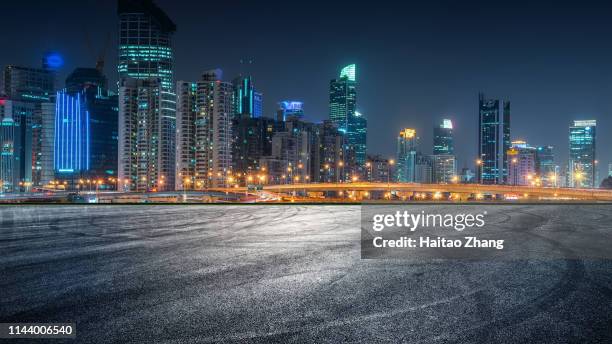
[(530, 191)]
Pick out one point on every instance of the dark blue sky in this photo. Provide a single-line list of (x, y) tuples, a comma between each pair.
[(416, 63)]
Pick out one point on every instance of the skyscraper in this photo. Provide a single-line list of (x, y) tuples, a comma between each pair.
[(7, 160), (493, 140), (140, 162), (32, 90), (101, 106), (17, 134), (582, 170), (444, 165), (522, 164), (343, 113), (72, 135), (145, 53), (205, 132), (443, 138), (247, 101), (407, 144), (545, 166)]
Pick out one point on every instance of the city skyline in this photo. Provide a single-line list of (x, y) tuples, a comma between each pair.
[(380, 121)]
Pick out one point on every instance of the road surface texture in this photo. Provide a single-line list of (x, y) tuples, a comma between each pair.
[(286, 274)]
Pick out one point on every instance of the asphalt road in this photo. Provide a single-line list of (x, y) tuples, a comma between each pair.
[(286, 274)]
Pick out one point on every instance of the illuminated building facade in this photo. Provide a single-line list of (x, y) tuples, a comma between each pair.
[(545, 166), (102, 107), (343, 98), (444, 165), (248, 103), (522, 169), (289, 108), (407, 145), (252, 141), (444, 168), (72, 135), (140, 164), (145, 53), (443, 138), (18, 122), (343, 113), (327, 152), (582, 170), (7, 152), (379, 169), (205, 113), (493, 140)]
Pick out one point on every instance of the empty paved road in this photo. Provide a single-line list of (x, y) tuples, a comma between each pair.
[(286, 274)]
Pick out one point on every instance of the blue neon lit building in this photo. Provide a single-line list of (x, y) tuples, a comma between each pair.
[(290, 108), (72, 135)]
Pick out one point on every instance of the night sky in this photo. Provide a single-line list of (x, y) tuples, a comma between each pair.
[(416, 64)]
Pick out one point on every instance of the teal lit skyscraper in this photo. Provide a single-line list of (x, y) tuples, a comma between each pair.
[(582, 169), (343, 98), (343, 113), (247, 101)]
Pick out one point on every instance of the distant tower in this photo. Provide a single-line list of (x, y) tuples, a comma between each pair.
[(493, 140), (343, 113), (582, 161), (407, 145)]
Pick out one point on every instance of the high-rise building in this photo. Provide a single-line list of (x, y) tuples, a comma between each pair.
[(145, 53), (379, 169), (357, 139), (545, 166), (289, 108), (30, 88), (493, 140), (72, 135), (28, 84), (444, 165), (292, 153), (252, 141), (423, 170), (407, 144), (582, 161), (205, 113), (186, 114), (140, 165), (7, 139), (444, 168), (17, 160), (343, 113), (610, 170), (522, 168), (101, 108), (247, 101), (327, 152), (443, 138)]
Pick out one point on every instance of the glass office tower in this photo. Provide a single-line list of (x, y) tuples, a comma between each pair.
[(582, 161), (493, 140), (145, 53)]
